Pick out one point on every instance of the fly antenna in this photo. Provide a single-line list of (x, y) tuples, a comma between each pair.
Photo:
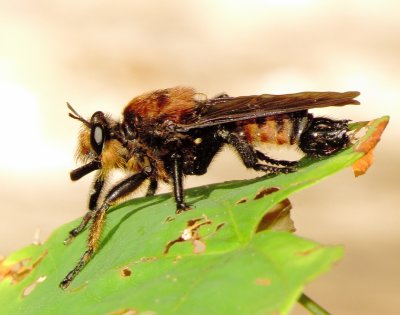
[(76, 116)]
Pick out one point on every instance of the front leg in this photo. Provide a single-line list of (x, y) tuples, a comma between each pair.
[(122, 189), (93, 198), (177, 179)]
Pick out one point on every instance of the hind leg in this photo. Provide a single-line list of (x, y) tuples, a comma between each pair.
[(252, 157)]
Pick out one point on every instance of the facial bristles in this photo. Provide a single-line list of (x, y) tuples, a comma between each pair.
[(76, 116)]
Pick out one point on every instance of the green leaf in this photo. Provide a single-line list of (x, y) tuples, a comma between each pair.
[(230, 263)]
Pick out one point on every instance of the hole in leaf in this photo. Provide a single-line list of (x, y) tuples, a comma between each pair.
[(28, 290), (265, 192), (191, 233)]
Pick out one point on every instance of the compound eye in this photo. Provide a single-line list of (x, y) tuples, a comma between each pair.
[(98, 135), (97, 138)]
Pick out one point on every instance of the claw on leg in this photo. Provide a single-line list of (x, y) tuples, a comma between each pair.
[(94, 237), (71, 275), (183, 207), (74, 232)]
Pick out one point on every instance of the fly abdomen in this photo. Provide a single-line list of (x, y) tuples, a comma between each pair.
[(277, 129)]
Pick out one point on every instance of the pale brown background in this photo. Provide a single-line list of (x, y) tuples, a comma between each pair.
[(99, 54)]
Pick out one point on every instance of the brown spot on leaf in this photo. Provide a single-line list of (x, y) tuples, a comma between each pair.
[(361, 166), (125, 272), (263, 281), (265, 192), (190, 233), (28, 290), (241, 200), (277, 218), (20, 269), (219, 226)]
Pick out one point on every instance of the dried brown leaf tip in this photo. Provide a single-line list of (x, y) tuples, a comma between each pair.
[(361, 166)]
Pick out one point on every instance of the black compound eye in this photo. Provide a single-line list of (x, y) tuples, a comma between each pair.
[(97, 137)]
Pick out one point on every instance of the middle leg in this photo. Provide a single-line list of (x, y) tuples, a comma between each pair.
[(177, 179)]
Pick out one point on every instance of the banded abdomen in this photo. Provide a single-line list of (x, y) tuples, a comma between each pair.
[(278, 129)]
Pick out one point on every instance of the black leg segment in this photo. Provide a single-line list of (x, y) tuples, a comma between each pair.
[(177, 178), (251, 157), (151, 190)]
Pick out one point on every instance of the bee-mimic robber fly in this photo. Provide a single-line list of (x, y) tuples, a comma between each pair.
[(167, 134)]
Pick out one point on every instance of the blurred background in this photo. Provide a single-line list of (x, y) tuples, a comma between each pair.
[(99, 54)]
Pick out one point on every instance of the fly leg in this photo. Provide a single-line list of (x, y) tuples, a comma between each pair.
[(177, 178), (251, 157), (93, 198), (98, 217), (151, 190), (263, 157)]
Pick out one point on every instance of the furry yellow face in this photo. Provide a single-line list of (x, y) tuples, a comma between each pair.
[(84, 151), (111, 155)]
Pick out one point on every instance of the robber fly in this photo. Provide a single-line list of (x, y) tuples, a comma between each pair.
[(167, 134)]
